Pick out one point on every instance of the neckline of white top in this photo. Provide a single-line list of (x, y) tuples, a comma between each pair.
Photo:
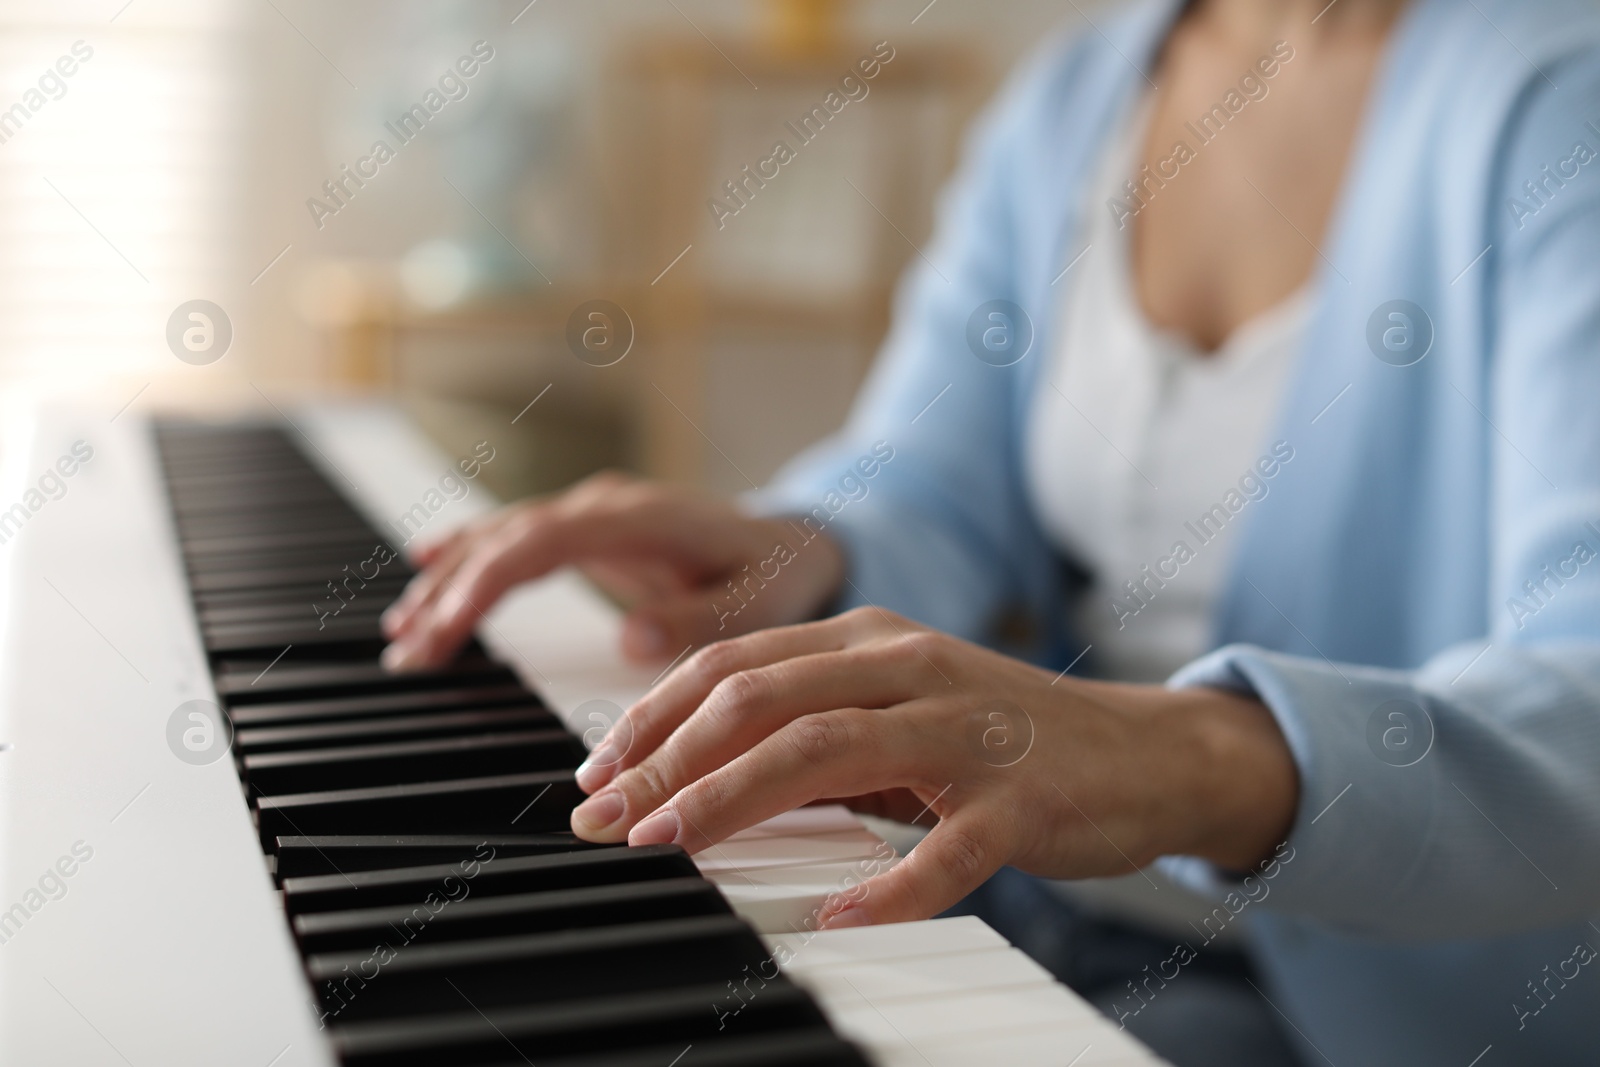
[(1262, 332), (1134, 433)]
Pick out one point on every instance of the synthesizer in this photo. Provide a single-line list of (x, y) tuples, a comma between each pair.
[(226, 836)]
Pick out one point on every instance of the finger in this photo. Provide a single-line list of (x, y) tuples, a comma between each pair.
[(539, 541), (426, 553), (662, 710), (896, 805), (449, 614), (658, 628), (831, 754), (420, 592), (746, 708), (629, 581), (438, 560), (529, 545), (453, 543), (663, 626), (958, 855)]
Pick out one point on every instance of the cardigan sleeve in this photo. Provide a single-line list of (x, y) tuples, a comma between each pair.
[(1462, 799)]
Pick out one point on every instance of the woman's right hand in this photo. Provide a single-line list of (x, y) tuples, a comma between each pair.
[(666, 552)]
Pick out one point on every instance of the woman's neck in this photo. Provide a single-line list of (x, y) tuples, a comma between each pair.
[(1254, 20)]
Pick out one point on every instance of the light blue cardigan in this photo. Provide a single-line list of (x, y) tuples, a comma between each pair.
[(1420, 905)]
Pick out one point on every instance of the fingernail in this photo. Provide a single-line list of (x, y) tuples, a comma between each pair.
[(596, 771), (843, 920), (392, 620), (643, 639), (659, 829), (400, 656), (600, 811)]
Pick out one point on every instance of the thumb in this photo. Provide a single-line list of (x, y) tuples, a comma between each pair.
[(956, 857), (659, 629)]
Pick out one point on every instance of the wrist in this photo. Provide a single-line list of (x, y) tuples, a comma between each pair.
[(1238, 788)]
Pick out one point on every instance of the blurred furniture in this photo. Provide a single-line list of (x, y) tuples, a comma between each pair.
[(752, 330)]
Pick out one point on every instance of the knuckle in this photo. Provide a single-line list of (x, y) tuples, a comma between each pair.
[(526, 523), (739, 694), (864, 621), (649, 782), (822, 739), (963, 854), (715, 793), (926, 647), (620, 734), (719, 659), (861, 614), (491, 574)]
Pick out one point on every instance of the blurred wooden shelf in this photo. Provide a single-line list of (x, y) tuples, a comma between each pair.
[(811, 265)]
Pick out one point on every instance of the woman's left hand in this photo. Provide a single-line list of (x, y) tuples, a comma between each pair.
[(1056, 776)]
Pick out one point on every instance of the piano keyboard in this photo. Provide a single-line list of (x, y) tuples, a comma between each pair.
[(414, 829), (425, 941)]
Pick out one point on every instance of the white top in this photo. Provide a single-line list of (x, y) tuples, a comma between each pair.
[(1135, 435)]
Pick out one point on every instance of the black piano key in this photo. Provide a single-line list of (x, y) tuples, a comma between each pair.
[(379, 594), (266, 504), (352, 550), (262, 681), (220, 450), (325, 598), (201, 472), (296, 613), (184, 469), (613, 864), (341, 563), (447, 695), (519, 913), (273, 610), (195, 484), (266, 498), (315, 575), (199, 529), (526, 968), (187, 476), (394, 762), (301, 857), (680, 1015), (394, 728), (534, 802), (808, 1047), (336, 581), (307, 633), (311, 536)]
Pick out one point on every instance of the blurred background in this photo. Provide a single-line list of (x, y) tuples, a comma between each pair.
[(224, 150)]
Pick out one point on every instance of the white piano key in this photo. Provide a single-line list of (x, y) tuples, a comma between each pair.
[(802, 822), (788, 899), (1047, 1047), (970, 1028), (918, 976), (744, 854), (866, 944), (1037, 1003)]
